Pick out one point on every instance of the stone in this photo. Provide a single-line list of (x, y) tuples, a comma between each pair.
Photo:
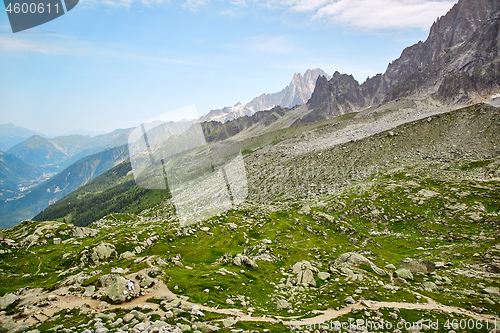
[(118, 290), (418, 266), (390, 267), (350, 300), (146, 282), (107, 279), (304, 271), (323, 276), (102, 251), (195, 311), (492, 291), (404, 273), (161, 262), (237, 261), (128, 317), (229, 321), (8, 300), (356, 259), (82, 232), (126, 255), (89, 291), (429, 286), (56, 241), (282, 304)]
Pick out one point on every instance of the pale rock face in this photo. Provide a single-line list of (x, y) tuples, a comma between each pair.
[(7, 300), (305, 273), (355, 259)]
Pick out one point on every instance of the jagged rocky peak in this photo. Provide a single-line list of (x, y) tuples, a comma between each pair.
[(457, 64), (296, 93)]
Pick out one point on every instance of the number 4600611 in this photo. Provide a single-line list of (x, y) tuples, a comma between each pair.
[(30, 8)]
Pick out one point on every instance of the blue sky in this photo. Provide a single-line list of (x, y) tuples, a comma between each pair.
[(116, 63)]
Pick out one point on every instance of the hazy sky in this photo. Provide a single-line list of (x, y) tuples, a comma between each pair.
[(116, 63)]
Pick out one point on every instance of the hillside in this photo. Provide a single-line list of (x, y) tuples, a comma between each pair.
[(49, 192), (112, 192), (400, 226), (11, 135), (15, 175)]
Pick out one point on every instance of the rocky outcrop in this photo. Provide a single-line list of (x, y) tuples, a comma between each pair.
[(8, 300), (355, 259), (102, 252), (418, 266)]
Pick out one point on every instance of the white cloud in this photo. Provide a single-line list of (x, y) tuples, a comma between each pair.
[(82, 49), (379, 14), (266, 44), (11, 44), (194, 4)]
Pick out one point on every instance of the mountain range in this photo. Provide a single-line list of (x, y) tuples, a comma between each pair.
[(11, 135), (296, 93), (458, 64)]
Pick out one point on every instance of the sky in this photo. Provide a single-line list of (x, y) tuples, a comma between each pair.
[(111, 64)]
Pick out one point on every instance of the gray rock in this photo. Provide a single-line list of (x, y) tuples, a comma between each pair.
[(429, 286), (8, 300), (118, 290), (126, 255), (107, 279), (404, 273), (350, 300), (304, 271), (390, 267), (323, 276), (492, 291), (146, 282), (102, 251), (356, 259), (230, 321), (89, 291), (282, 304), (418, 266), (81, 232)]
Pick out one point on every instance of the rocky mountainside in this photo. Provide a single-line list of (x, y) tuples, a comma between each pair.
[(296, 93), (398, 227), (458, 64)]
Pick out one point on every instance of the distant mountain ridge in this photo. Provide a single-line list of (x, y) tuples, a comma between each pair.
[(65, 182), (458, 64), (297, 92), (11, 135), (53, 155)]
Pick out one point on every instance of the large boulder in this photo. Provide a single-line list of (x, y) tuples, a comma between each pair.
[(8, 300), (304, 271), (404, 273), (418, 266), (82, 232), (118, 291), (102, 252), (282, 304), (356, 259), (240, 260)]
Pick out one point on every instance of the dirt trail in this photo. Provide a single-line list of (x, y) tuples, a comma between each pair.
[(160, 289)]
